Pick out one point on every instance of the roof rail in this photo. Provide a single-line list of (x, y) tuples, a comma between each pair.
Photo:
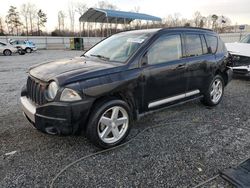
[(187, 27)]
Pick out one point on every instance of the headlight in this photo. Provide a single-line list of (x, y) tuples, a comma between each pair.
[(52, 90), (70, 95)]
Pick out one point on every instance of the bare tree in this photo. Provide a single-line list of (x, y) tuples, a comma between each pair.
[(25, 15), (137, 22), (32, 13), (81, 8), (197, 19), (71, 11), (1, 26), (61, 20)]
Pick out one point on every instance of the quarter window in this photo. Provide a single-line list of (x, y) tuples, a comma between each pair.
[(193, 45), (166, 48), (212, 42)]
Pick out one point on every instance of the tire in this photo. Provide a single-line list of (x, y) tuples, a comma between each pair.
[(28, 50), (215, 92), (7, 52), (21, 52), (109, 123)]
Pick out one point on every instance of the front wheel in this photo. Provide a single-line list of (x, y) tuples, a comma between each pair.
[(109, 124), (215, 92), (28, 50)]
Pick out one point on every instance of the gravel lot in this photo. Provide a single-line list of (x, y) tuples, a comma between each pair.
[(192, 144)]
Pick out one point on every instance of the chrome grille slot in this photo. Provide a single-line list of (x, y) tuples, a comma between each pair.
[(36, 91)]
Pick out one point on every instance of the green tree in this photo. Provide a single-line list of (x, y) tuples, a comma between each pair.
[(214, 19), (41, 20), (13, 20)]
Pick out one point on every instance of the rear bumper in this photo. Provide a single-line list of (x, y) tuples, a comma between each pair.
[(56, 117)]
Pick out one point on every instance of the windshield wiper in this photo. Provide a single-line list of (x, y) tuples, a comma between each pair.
[(100, 57)]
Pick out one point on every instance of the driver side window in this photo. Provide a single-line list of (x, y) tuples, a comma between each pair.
[(165, 48)]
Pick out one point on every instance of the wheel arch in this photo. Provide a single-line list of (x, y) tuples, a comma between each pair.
[(126, 96), (223, 75), (7, 49)]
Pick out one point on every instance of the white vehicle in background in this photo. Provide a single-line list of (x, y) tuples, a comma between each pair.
[(240, 52), (7, 49), (25, 45)]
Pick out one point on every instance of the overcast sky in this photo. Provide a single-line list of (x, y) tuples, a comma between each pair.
[(237, 10)]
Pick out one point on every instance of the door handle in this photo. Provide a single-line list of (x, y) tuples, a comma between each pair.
[(181, 66)]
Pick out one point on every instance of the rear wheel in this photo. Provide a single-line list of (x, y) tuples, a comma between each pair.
[(109, 124), (7, 52), (214, 92)]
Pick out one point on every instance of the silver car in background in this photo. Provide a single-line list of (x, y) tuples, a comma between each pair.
[(24, 45), (7, 49)]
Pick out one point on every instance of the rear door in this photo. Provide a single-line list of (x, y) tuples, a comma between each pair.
[(198, 62)]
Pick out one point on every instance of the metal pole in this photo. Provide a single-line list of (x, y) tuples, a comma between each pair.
[(80, 29), (107, 27), (95, 29), (116, 26), (124, 24)]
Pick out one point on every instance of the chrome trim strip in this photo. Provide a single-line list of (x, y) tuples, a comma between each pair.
[(28, 108), (191, 93), (174, 98)]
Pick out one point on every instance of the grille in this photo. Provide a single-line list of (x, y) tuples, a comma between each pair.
[(36, 91)]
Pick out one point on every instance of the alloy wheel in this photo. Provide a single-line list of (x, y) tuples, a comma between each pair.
[(216, 91), (113, 124)]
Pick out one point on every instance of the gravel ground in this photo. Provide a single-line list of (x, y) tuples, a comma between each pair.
[(181, 147)]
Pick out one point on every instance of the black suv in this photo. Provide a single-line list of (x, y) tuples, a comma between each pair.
[(123, 78)]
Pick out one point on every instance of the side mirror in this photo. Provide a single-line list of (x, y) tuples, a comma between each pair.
[(144, 60), (209, 49)]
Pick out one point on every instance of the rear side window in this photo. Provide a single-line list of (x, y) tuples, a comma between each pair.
[(212, 42), (166, 48), (193, 45), (221, 46)]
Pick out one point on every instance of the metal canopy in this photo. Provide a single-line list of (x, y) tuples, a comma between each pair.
[(113, 16)]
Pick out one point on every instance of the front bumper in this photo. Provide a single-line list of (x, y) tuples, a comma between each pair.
[(57, 117), (34, 48), (229, 73), (242, 70)]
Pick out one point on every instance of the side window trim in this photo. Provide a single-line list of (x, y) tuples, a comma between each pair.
[(204, 43)]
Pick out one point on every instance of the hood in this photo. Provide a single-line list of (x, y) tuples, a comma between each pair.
[(66, 70), (241, 49)]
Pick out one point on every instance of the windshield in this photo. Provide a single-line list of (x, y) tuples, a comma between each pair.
[(118, 47)]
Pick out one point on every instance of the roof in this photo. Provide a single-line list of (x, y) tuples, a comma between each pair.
[(114, 16)]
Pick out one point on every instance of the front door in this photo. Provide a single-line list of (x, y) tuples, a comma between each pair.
[(164, 73)]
